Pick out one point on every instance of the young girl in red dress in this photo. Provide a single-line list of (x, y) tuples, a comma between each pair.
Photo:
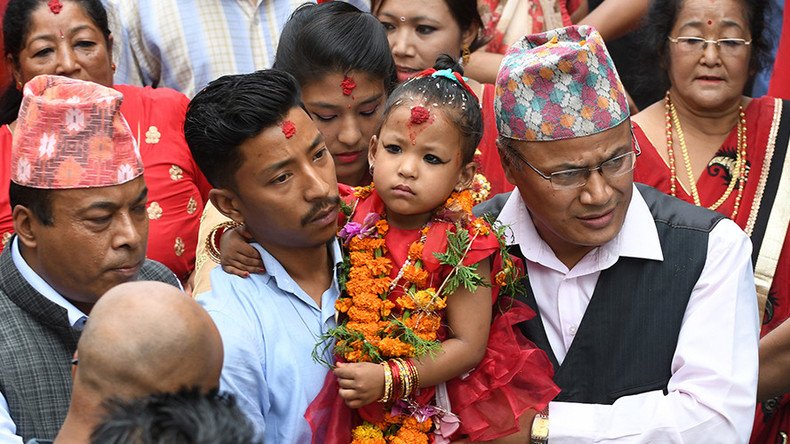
[(419, 358)]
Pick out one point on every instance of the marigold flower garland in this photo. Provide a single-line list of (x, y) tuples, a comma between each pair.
[(377, 330)]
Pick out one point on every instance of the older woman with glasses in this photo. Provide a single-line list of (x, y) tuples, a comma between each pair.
[(710, 145)]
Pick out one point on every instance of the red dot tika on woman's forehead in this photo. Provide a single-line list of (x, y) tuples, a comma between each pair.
[(348, 85), (710, 22), (288, 128), (419, 115), (55, 6)]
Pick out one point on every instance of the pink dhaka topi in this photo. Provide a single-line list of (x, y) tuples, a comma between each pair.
[(558, 85), (70, 134)]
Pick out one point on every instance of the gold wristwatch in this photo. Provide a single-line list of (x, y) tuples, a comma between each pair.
[(540, 427)]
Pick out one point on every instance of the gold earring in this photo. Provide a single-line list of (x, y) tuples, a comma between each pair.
[(465, 55), (19, 85), (113, 66)]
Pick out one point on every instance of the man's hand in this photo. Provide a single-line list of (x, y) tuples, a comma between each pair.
[(360, 383)]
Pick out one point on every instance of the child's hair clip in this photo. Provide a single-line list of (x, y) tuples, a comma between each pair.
[(448, 74)]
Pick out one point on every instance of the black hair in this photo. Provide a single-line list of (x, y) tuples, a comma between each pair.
[(16, 27), (231, 110), (661, 19), (185, 417), (37, 200), (458, 105), (464, 12), (319, 39)]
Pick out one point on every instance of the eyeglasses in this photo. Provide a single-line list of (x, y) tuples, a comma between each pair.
[(578, 177), (730, 46)]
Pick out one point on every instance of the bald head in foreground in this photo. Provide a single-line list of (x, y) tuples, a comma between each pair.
[(141, 338)]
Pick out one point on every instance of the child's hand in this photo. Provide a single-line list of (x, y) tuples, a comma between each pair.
[(360, 383), (237, 255)]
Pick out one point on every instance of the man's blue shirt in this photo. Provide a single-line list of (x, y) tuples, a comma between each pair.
[(269, 327)]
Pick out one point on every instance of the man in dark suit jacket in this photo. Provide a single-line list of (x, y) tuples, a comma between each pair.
[(79, 209)]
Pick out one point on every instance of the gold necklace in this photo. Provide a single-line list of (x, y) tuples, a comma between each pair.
[(737, 177)]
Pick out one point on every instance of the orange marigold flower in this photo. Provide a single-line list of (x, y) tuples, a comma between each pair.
[(417, 276), (386, 308), (356, 287), (406, 302), (363, 192), (427, 300), (368, 301), (415, 250), (393, 348), (357, 356), (426, 322), (343, 304), (382, 227), (460, 201), (367, 434), (367, 329), (379, 286), (359, 258), (412, 423), (408, 435), (501, 278), (427, 336), (379, 266), (480, 227), (362, 315)]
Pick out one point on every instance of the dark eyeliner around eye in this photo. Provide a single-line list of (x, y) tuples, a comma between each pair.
[(394, 149), (434, 160)]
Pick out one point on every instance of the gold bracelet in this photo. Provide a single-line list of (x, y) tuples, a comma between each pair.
[(212, 240), (387, 382)]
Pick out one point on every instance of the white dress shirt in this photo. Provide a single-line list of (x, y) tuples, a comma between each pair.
[(712, 392), (76, 318)]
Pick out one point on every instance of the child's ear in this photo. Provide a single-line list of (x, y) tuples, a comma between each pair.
[(466, 176), (374, 143)]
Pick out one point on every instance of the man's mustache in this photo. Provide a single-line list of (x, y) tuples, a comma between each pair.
[(319, 207)]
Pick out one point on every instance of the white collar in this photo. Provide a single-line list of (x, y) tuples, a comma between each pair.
[(638, 238), (76, 317)]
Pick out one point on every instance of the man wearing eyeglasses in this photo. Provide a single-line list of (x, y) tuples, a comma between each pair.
[(645, 305)]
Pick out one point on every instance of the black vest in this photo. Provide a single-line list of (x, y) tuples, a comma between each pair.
[(628, 334), (37, 343)]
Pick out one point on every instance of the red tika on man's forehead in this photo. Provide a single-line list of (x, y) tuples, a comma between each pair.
[(288, 128)]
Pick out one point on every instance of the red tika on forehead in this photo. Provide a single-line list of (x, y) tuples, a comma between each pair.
[(348, 85), (288, 128), (419, 115), (55, 6)]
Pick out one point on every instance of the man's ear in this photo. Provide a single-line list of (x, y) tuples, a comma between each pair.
[(507, 164), (227, 203), (26, 226)]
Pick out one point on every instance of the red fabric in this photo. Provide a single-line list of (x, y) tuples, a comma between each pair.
[(165, 109), (489, 161), (780, 77), (513, 376), (490, 16), (6, 223), (652, 170)]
